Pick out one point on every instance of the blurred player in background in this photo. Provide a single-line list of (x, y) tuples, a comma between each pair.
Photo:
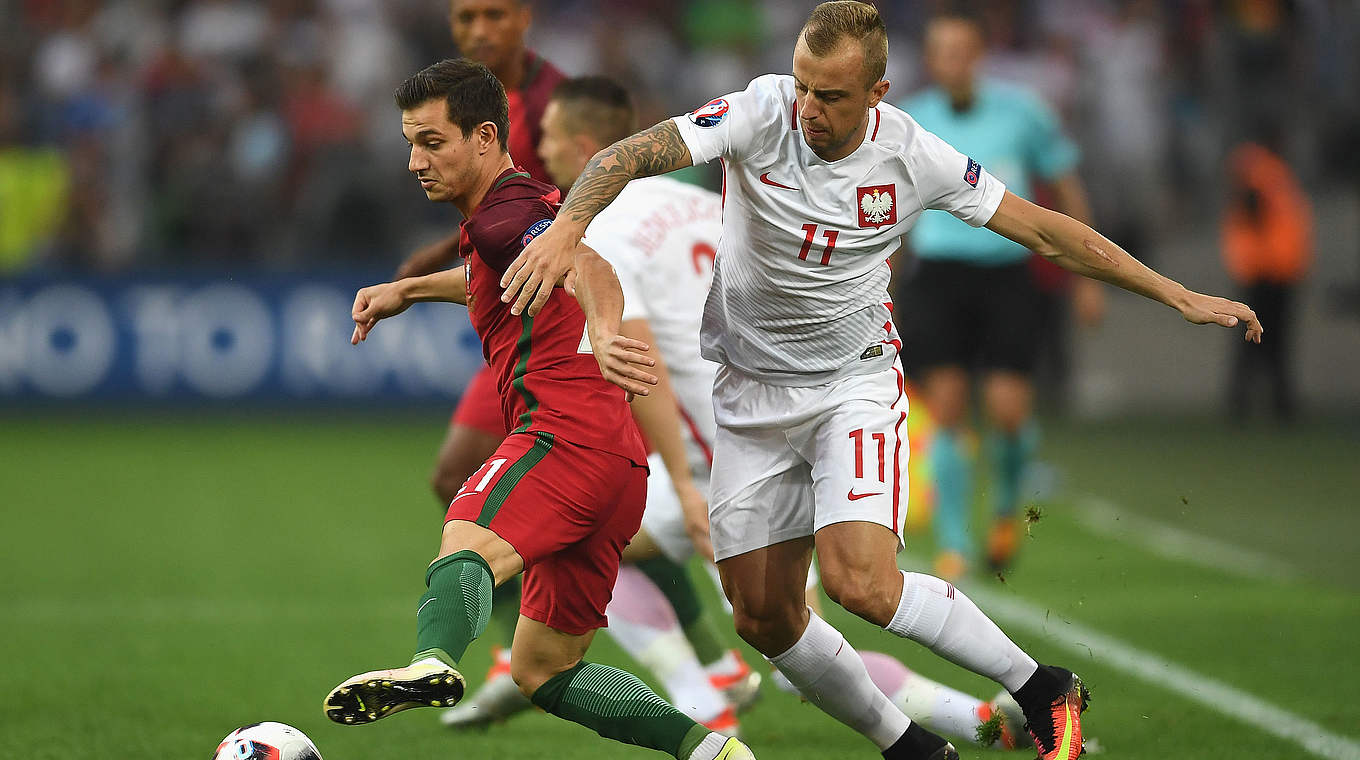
[(971, 309), (661, 235), (822, 179), (563, 493)]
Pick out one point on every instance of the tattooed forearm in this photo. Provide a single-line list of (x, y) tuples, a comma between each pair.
[(654, 151)]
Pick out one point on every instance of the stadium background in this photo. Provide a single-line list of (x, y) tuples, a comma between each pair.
[(213, 507)]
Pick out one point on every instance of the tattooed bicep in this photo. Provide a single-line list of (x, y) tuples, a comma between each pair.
[(653, 151), (656, 150)]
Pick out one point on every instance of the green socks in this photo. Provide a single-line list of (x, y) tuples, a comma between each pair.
[(1010, 455), (456, 607), (953, 490), (505, 609), (677, 586), (617, 705)]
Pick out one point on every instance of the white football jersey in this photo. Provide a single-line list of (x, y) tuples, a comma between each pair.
[(661, 236), (799, 294)]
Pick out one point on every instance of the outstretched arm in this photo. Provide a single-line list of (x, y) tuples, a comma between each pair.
[(596, 288), (1088, 295), (389, 299), (1078, 248), (530, 278)]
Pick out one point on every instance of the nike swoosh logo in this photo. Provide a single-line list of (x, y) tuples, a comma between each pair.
[(852, 496), (421, 607), (766, 179)]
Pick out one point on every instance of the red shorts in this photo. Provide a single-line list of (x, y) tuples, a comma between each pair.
[(480, 406), (568, 511)]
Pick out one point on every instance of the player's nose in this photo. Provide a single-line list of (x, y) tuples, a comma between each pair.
[(417, 162), (808, 110)]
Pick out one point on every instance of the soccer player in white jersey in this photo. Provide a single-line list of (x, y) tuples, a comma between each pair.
[(821, 179)]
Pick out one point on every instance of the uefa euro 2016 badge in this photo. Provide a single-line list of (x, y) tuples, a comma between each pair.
[(877, 205), (534, 231), (711, 115), (972, 173)]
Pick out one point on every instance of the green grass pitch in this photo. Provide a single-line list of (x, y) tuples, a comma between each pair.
[(166, 580)]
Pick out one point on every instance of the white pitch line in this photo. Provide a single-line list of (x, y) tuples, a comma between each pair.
[(1163, 673), (1156, 537)]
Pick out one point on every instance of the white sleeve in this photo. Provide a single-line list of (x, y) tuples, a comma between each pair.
[(627, 262), (950, 181), (734, 126)]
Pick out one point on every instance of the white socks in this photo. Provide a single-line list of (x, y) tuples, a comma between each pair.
[(934, 613), (938, 707), (831, 675), (643, 624)]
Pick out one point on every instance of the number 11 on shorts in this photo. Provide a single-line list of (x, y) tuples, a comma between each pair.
[(879, 438), (482, 477)]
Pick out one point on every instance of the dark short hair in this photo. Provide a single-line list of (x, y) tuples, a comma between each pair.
[(598, 106), (962, 11), (474, 95), (832, 21)]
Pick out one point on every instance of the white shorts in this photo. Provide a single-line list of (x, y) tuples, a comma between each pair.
[(663, 519), (788, 461)]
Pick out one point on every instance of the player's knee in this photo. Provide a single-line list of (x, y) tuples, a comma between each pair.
[(450, 473), (1011, 420), (866, 594), (444, 485), (529, 674), (770, 630)]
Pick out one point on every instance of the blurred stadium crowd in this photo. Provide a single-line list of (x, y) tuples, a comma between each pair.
[(152, 133)]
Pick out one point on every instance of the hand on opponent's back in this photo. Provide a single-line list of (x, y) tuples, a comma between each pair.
[(531, 277), (621, 359)]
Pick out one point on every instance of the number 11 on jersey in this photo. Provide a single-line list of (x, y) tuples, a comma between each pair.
[(810, 232), (882, 440)]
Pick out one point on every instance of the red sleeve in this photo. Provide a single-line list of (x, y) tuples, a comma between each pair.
[(500, 232)]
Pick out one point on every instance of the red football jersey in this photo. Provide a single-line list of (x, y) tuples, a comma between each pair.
[(546, 374), (526, 113)]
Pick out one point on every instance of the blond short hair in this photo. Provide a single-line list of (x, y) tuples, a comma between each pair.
[(832, 21)]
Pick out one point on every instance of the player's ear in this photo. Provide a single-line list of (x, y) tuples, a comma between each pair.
[(487, 136), (878, 91), (586, 147)]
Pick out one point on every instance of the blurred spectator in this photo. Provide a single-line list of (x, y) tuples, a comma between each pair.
[(34, 184), (1126, 96), (234, 131), (1267, 247)]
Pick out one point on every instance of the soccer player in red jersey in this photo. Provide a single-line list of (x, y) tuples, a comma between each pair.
[(562, 494), (490, 32)]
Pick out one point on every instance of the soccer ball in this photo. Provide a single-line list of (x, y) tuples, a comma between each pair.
[(266, 741)]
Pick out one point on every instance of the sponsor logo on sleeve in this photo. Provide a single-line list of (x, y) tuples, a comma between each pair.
[(534, 231), (877, 205), (712, 113), (973, 173)]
